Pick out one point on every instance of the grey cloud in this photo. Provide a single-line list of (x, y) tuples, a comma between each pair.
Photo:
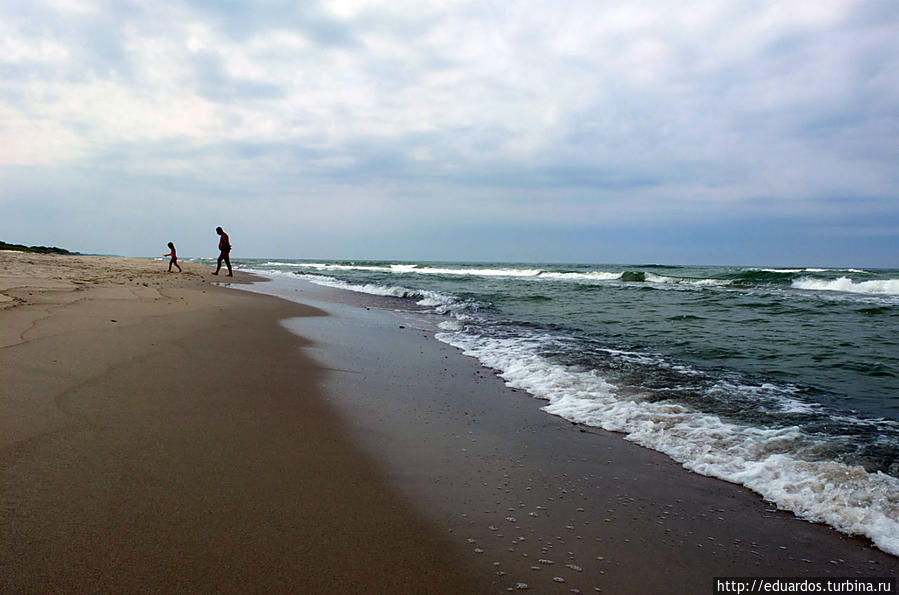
[(799, 121), (241, 20), (212, 81), (93, 41)]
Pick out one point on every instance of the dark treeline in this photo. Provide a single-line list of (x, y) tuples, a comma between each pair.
[(37, 249)]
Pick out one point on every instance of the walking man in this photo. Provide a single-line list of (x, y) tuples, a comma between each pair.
[(224, 251)]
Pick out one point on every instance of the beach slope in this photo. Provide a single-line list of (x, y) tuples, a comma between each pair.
[(160, 433)]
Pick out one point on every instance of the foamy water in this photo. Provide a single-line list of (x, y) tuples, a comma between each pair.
[(847, 285), (785, 381), (778, 463)]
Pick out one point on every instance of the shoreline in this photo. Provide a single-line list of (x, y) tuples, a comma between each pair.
[(626, 517), (168, 432), (163, 433)]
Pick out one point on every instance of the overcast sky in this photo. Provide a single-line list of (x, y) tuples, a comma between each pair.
[(712, 131)]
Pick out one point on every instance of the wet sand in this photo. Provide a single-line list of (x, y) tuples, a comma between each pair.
[(532, 499), (161, 434)]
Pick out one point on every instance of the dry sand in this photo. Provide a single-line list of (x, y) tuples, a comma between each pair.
[(162, 434)]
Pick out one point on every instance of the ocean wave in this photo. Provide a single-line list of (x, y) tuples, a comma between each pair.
[(754, 278), (345, 267), (749, 278), (745, 278), (784, 271), (847, 285), (441, 303), (536, 274), (781, 464), (792, 271), (479, 272), (586, 276), (417, 269), (278, 263), (857, 271)]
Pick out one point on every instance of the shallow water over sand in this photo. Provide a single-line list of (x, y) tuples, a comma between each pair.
[(786, 380)]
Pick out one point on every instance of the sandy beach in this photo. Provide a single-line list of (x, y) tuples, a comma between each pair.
[(162, 433)]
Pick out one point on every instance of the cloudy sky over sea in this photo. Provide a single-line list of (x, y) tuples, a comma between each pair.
[(712, 131)]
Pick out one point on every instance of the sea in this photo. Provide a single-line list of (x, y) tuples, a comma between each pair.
[(782, 380)]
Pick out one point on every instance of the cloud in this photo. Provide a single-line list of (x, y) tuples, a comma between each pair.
[(561, 111)]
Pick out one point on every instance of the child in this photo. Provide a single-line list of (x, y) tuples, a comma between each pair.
[(174, 260)]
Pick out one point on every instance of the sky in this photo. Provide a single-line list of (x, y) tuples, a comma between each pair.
[(694, 132)]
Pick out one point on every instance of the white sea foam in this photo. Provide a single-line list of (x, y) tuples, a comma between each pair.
[(278, 263), (588, 276), (778, 463), (680, 281), (534, 274), (269, 272), (847, 285), (811, 270), (784, 271), (418, 269), (441, 303), (478, 272), (707, 282), (791, 405), (343, 267), (653, 278)]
